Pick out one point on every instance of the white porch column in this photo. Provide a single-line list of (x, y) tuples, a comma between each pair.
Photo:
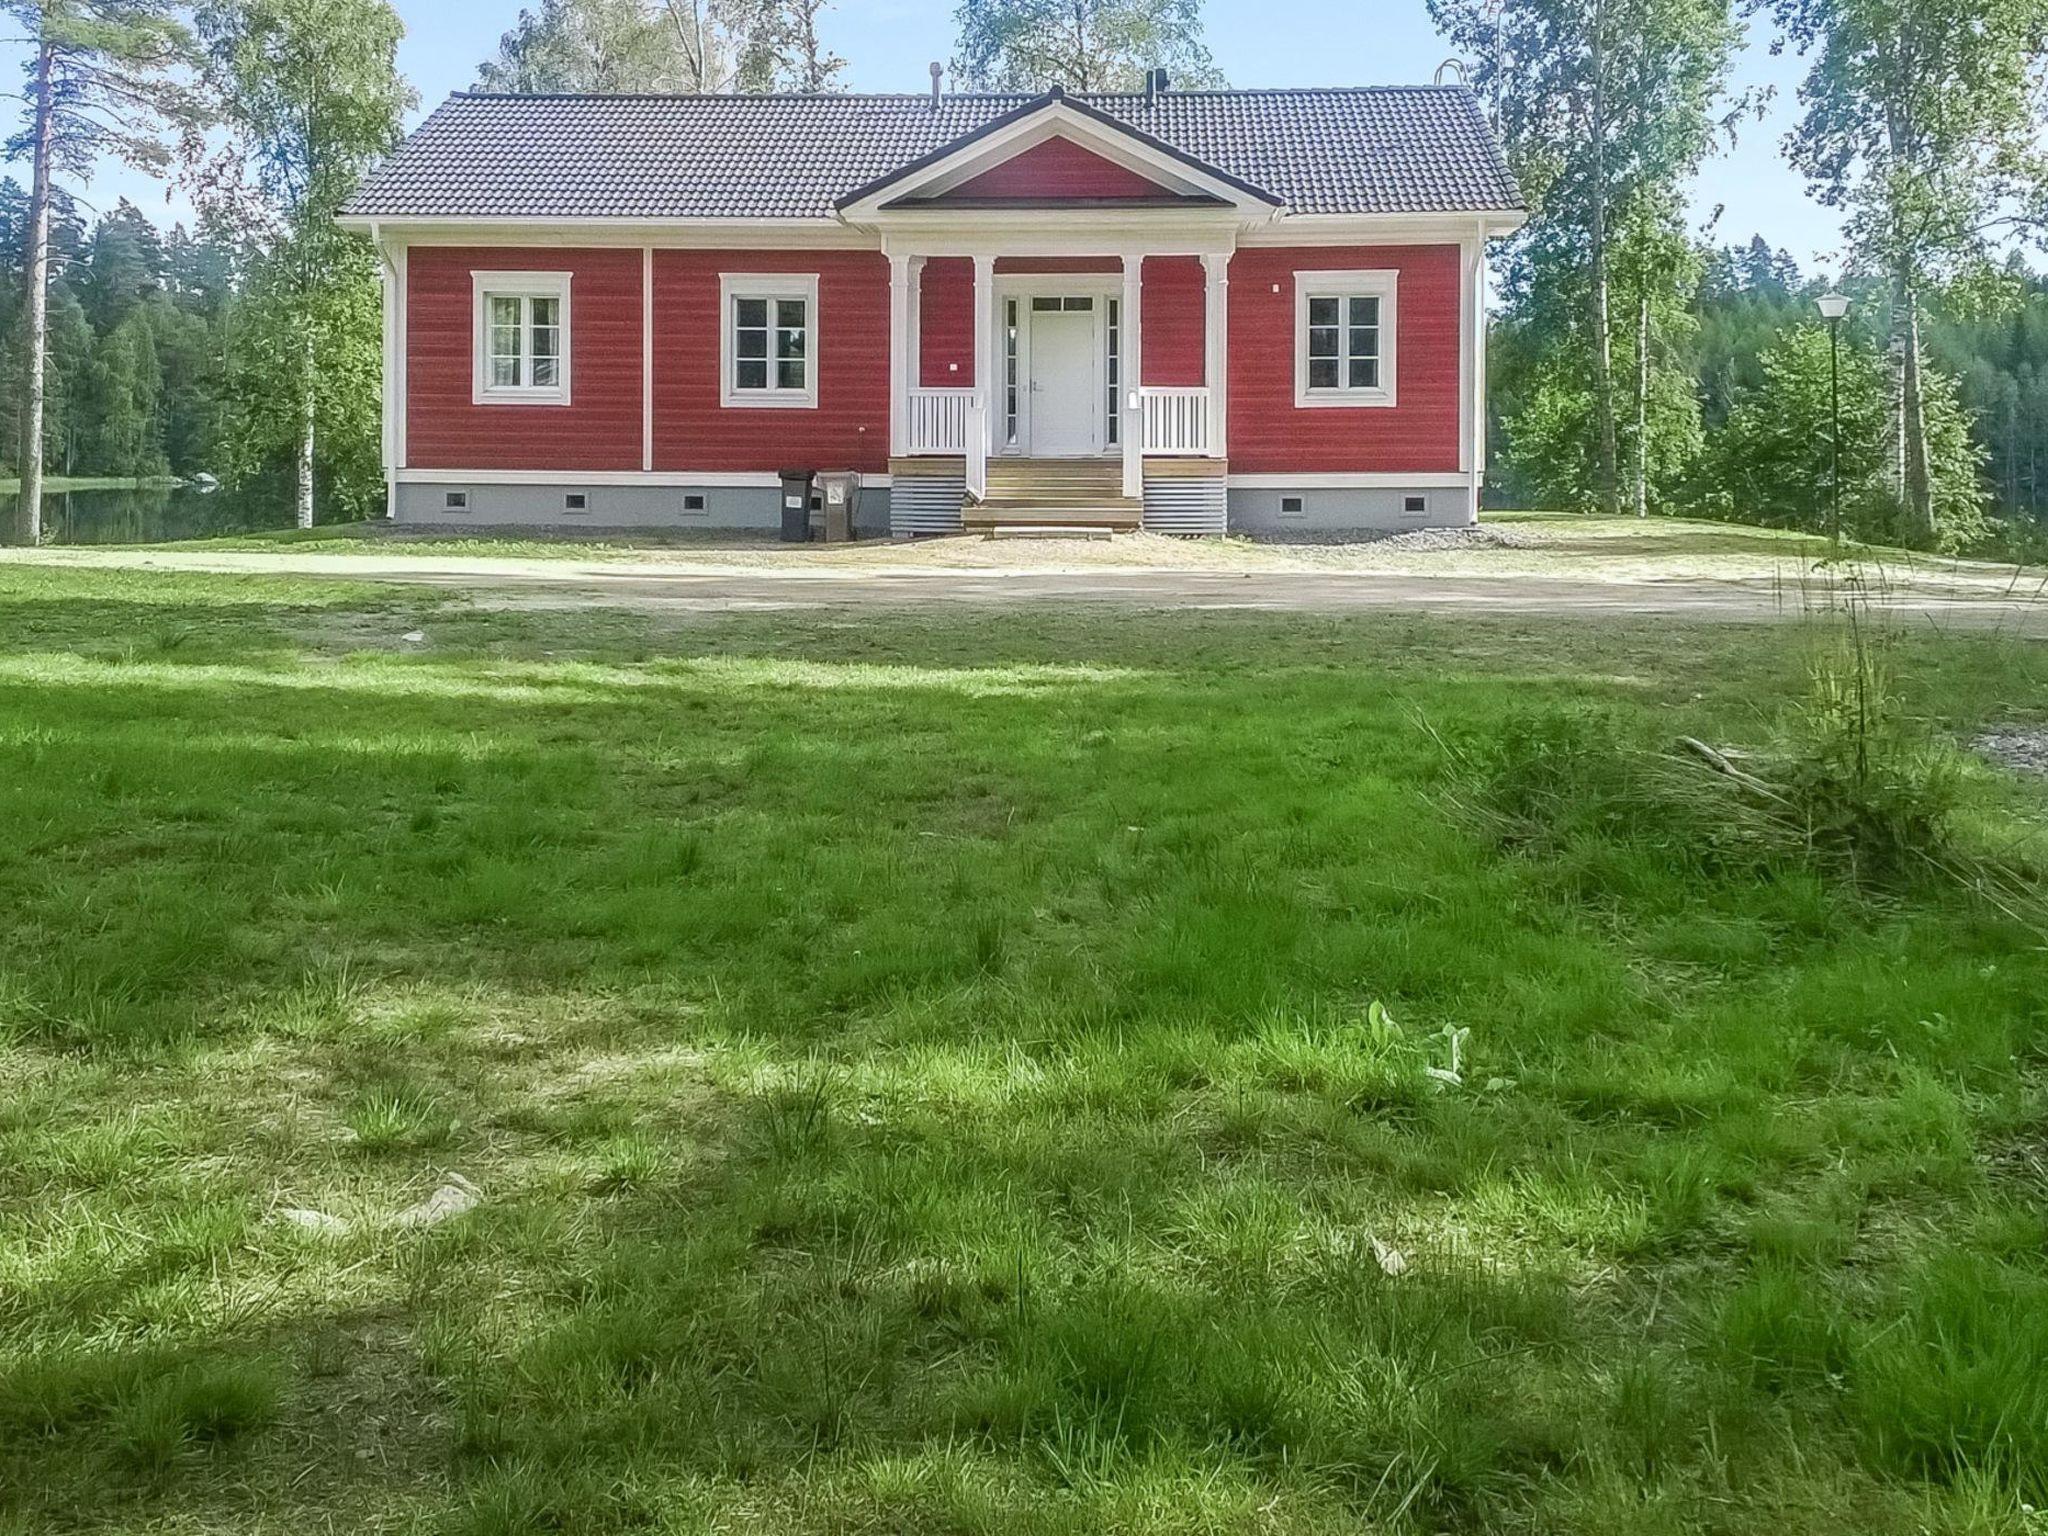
[(913, 367), (985, 339), (1133, 374), (1216, 350), (899, 354)]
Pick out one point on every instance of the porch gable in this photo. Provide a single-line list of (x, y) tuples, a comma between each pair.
[(1057, 170), (1057, 149)]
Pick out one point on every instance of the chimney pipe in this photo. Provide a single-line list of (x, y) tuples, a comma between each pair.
[(938, 74), (1156, 82)]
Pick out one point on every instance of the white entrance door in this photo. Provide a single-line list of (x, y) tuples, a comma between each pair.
[(1066, 418)]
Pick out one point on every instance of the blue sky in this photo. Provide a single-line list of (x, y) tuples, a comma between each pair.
[(888, 44)]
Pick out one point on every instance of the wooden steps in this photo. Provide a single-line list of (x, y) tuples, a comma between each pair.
[(1047, 494)]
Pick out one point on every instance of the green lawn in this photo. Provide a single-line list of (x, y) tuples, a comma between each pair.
[(921, 1074)]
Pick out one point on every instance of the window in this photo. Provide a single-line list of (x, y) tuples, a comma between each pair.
[(1114, 317), (575, 501), (522, 338), (1344, 341), (455, 501), (1290, 506), (1010, 372), (771, 340)]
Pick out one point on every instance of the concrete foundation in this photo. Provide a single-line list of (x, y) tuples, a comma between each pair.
[(670, 508), (1374, 511)]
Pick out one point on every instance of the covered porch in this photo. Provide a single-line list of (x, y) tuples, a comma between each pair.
[(1058, 324), (1059, 387)]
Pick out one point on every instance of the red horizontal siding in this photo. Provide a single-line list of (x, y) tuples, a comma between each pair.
[(946, 314), (849, 428), (599, 429), (1175, 297), (1270, 435), (1056, 168)]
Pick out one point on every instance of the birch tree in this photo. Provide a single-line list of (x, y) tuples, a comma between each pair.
[(312, 93), (1607, 108), (1922, 120), (103, 79), (1083, 45), (694, 47)]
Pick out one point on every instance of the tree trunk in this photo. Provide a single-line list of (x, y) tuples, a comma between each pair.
[(1607, 477), (38, 306), (306, 439), (1643, 402), (1916, 485)]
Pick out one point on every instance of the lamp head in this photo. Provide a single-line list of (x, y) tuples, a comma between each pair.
[(1832, 305)]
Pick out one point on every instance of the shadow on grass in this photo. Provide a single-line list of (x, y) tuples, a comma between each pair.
[(922, 1075)]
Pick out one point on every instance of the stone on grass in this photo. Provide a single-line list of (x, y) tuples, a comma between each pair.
[(455, 1197)]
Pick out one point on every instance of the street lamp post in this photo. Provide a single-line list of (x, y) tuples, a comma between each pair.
[(1833, 306)]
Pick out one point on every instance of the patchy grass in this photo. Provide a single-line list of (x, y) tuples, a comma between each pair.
[(922, 1075)]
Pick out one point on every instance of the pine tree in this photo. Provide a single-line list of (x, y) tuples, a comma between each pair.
[(101, 80)]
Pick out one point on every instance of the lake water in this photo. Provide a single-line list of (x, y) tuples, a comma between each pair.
[(146, 515)]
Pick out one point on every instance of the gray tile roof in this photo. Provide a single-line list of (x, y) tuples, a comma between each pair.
[(1367, 150)]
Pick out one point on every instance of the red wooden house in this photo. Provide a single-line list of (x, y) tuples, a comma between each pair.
[(1179, 309)]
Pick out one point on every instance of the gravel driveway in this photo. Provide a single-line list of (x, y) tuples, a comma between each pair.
[(1044, 572)]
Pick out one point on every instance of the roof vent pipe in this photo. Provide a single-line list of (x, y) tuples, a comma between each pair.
[(938, 74), (1156, 82)]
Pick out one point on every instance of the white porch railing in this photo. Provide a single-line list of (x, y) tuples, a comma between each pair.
[(1175, 420), (938, 420), (977, 445)]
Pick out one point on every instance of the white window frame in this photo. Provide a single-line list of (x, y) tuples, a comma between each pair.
[(519, 285), (1380, 284), (771, 286)]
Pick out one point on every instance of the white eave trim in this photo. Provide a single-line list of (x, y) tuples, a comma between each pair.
[(1084, 231), (1383, 228)]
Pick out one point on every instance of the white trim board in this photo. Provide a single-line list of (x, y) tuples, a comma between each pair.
[(770, 287), (717, 479), (487, 283), (831, 234), (647, 358), (1383, 284)]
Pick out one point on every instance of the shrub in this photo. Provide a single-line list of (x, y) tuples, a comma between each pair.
[(1855, 791)]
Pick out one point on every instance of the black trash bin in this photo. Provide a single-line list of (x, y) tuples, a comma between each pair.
[(796, 505)]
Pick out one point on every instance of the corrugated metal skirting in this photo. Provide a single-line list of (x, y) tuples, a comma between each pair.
[(1187, 504), (922, 505)]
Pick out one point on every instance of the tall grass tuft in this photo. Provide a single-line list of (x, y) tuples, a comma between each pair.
[(1852, 789), (1957, 1382), (196, 1405)]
